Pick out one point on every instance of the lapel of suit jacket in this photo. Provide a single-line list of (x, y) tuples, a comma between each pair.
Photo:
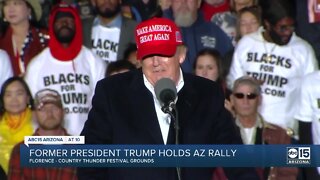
[(143, 106), (187, 101), (258, 139)]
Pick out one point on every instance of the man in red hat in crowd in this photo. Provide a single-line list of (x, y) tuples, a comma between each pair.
[(125, 108)]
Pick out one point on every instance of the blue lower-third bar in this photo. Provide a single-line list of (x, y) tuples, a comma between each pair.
[(169, 155)]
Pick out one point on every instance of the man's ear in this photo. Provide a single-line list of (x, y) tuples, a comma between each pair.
[(267, 25), (182, 53), (232, 99)]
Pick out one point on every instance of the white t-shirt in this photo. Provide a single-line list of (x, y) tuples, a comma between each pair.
[(5, 67), (105, 42), (281, 75), (74, 80), (248, 135), (308, 106)]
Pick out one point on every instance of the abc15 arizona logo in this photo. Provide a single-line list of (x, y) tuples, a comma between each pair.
[(298, 155)]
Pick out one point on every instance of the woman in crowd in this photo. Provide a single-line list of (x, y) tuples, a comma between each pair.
[(227, 20), (21, 38), (248, 21), (15, 116), (208, 65)]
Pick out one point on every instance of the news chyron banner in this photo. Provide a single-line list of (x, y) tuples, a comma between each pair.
[(70, 151)]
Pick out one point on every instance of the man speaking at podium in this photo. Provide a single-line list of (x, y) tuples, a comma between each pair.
[(141, 106)]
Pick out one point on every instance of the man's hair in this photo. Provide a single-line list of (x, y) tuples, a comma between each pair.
[(132, 47), (274, 10), (247, 80), (117, 66)]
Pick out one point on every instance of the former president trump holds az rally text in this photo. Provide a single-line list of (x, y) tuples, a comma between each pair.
[(126, 110)]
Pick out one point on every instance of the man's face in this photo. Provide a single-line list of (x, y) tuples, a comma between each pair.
[(49, 116), (245, 106), (107, 8), (156, 67), (185, 12), (282, 31), (64, 29)]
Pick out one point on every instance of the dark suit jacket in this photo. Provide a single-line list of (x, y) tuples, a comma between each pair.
[(126, 34), (123, 112)]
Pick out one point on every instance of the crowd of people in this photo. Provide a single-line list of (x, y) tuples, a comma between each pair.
[(245, 72)]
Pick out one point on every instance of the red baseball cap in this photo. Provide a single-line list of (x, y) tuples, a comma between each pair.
[(157, 36)]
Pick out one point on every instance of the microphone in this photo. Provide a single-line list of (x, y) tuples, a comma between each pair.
[(166, 93)]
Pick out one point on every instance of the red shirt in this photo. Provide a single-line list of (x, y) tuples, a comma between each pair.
[(209, 10), (22, 173)]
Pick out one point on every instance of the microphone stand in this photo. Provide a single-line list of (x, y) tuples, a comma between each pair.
[(172, 110)]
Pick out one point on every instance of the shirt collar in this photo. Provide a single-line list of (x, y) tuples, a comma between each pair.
[(64, 132), (258, 124), (151, 88), (116, 22)]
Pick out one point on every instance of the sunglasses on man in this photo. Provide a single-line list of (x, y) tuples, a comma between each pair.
[(242, 95)]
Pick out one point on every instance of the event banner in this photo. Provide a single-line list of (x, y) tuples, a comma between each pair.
[(84, 155)]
